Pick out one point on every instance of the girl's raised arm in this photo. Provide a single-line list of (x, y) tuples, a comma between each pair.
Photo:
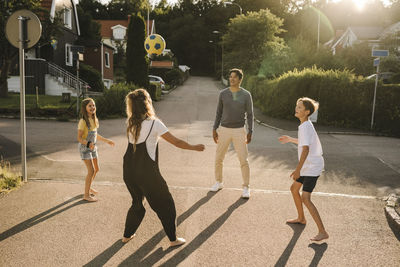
[(180, 143)]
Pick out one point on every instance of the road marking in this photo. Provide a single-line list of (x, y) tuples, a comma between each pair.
[(389, 165), (60, 160), (264, 191)]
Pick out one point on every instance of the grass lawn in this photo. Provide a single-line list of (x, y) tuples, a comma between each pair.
[(45, 101)]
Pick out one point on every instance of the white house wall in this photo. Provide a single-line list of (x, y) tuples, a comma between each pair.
[(13, 84), (53, 87)]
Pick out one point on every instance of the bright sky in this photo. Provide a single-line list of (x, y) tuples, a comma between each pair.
[(360, 4)]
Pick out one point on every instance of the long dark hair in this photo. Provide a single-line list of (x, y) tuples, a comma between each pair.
[(138, 108), (85, 115)]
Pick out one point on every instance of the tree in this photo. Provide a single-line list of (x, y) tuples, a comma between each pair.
[(90, 29), (8, 52), (136, 65), (249, 37)]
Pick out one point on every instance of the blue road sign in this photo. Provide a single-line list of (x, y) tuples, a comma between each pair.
[(380, 53), (376, 61)]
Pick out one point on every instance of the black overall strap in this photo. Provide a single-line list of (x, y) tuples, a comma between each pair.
[(149, 131)]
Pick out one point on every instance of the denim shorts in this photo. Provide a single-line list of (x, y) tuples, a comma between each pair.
[(87, 153)]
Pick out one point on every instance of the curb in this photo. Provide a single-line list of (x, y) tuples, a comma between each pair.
[(35, 118), (320, 132), (166, 92), (391, 214)]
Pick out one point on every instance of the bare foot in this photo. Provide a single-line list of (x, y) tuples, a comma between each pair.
[(90, 199), (179, 241), (296, 221), (320, 236), (127, 239), (93, 191)]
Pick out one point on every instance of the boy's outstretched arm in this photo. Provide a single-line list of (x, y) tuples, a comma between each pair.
[(286, 139)]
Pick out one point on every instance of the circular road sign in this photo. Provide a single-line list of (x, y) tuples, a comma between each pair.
[(34, 28)]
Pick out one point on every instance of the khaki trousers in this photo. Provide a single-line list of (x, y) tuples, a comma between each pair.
[(238, 137)]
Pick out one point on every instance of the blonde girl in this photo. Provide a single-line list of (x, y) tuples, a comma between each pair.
[(87, 138)]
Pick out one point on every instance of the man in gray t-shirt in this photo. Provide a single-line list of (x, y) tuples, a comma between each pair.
[(235, 107)]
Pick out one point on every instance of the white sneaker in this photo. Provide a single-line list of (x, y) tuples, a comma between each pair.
[(178, 242), (246, 192), (217, 186)]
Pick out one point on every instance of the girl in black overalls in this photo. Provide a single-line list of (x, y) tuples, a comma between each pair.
[(141, 172)]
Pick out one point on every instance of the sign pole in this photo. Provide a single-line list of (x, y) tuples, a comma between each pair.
[(373, 104), (17, 34), (22, 41)]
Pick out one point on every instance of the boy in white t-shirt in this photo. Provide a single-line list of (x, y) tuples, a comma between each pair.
[(310, 166)]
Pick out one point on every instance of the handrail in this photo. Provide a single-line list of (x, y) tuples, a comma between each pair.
[(66, 77)]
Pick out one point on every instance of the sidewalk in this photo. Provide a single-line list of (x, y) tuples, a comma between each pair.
[(291, 125)]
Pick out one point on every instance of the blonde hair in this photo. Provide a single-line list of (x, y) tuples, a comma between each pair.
[(138, 108), (85, 115), (309, 104)]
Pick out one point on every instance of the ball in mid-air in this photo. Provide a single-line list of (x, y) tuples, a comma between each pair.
[(154, 44)]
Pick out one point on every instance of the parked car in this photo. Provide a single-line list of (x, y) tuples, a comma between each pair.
[(157, 79)]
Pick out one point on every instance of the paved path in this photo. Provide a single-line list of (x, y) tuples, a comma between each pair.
[(46, 224)]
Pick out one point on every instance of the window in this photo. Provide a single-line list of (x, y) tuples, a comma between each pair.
[(119, 32), (68, 18), (68, 55), (107, 59)]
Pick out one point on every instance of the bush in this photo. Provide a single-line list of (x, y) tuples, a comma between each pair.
[(112, 102), (8, 179), (155, 91), (174, 77), (345, 99), (92, 77)]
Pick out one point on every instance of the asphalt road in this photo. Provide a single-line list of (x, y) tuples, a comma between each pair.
[(45, 224)]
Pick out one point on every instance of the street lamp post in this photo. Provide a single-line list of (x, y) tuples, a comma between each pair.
[(231, 3), (215, 54), (222, 55)]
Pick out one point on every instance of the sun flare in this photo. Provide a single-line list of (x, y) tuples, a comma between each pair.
[(360, 4)]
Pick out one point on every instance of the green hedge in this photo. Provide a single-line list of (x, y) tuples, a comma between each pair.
[(92, 77), (174, 77), (112, 102), (155, 91), (345, 99)]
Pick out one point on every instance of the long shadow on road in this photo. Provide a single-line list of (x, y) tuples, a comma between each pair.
[(136, 258), (319, 252), (203, 236), (41, 217), (297, 230)]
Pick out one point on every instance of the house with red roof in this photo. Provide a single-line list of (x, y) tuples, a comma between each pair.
[(113, 32)]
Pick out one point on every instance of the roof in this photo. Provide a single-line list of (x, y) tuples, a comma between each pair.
[(107, 25), (367, 33), (51, 6), (392, 29), (162, 64)]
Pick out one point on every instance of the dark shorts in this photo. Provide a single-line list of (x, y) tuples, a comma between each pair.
[(308, 182)]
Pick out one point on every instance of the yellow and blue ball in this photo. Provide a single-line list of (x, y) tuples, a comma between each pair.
[(154, 44)]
